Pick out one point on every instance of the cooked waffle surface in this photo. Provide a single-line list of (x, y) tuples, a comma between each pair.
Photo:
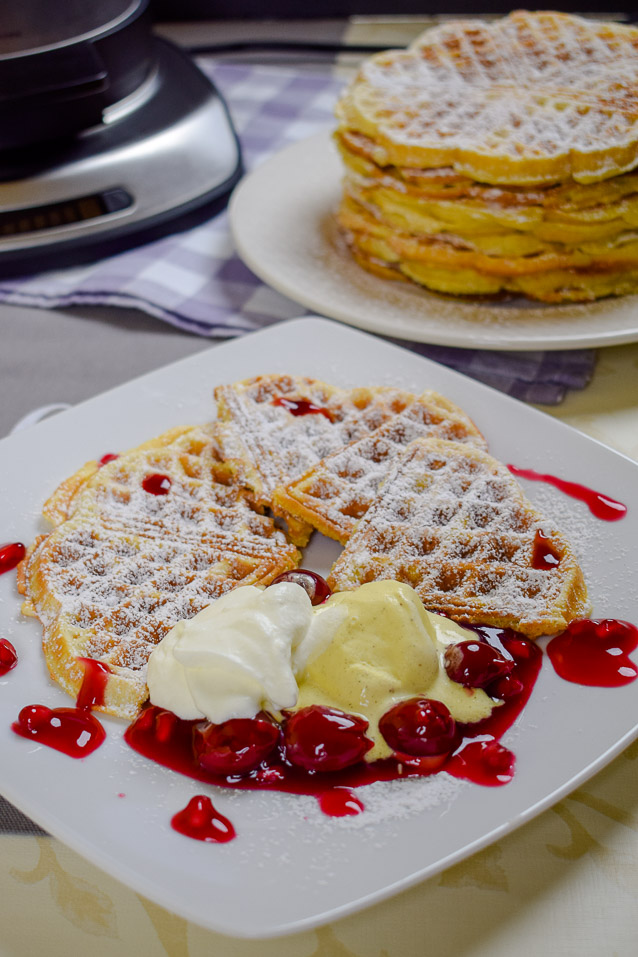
[(338, 491), (452, 522), (124, 565), (267, 445), (532, 98)]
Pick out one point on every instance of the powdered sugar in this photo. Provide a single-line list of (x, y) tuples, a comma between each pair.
[(110, 581), (528, 87), (452, 522), (340, 489), (274, 446)]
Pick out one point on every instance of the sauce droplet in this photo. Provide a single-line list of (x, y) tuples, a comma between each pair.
[(600, 505), (11, 555), (595, 652), (157, 484), (544, 555), (73, 731), (8, 656), (302, 407), (340, 802), (201, 821)]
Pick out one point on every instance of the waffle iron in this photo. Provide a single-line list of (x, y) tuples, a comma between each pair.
[(109, 135)]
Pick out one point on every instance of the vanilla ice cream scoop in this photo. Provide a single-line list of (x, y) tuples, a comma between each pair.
[(387, 648)]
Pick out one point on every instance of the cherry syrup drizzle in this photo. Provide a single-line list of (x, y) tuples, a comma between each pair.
[(11, 555), (201, 821), (595, 652), (73, 731), (600, 505), (302, 407), (161, 736), (8, 656)]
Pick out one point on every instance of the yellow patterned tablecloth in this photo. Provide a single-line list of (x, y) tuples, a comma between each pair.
[(564, 884)]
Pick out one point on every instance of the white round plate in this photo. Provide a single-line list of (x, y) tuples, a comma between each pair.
[(282, 220)]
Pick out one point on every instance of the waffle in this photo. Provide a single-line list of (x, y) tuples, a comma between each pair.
[(122, 565), (452, 522), (338, 491), (497, 158), (553, 244), (605, 199), (267, 446), (532, 98), (491, 263)]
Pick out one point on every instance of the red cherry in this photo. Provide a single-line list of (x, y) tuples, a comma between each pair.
[(236, 746), (324, 739), (109, 457), (8, 656), (420, 727), (506, 687), (475, 664), (11, 555), (157, 484), (315, 586), (484, 762)]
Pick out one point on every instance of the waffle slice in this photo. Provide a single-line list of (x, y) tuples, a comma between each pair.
[(451, 521), (334, 494), (123, 564), (530, 98), (273, 428)]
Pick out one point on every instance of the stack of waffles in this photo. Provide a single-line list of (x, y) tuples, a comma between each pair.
[(404, 481), (496, 158)]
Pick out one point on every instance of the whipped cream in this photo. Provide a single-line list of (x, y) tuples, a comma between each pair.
[(241, 654)]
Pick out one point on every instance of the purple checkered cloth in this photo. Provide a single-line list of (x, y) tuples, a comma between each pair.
[(194, 280)]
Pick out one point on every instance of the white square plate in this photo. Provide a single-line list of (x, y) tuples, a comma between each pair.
[(290, 867)]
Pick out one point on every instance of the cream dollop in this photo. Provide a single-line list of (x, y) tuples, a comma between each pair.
[(240, 654)]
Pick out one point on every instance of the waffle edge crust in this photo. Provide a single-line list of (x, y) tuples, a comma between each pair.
[(428, 506)]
